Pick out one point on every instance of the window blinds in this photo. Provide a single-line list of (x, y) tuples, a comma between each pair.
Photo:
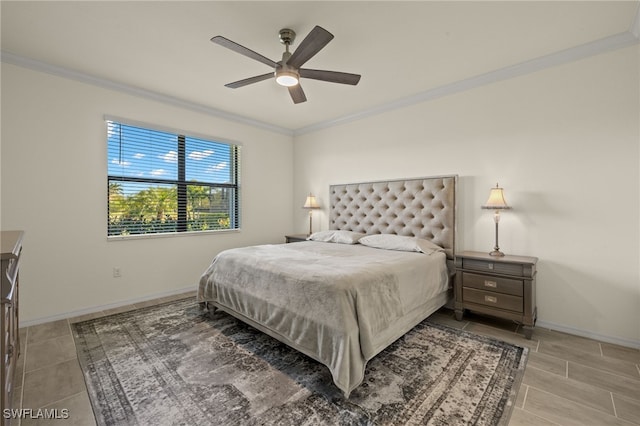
[(160, 182)]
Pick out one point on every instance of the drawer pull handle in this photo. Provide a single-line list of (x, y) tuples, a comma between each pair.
[(491, 299), (492, 284), (490, 266)]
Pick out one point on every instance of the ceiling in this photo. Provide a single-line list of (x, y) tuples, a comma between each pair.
[(402, 49)]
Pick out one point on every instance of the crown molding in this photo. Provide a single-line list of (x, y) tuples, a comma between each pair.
[(35, 65), (586, 50)]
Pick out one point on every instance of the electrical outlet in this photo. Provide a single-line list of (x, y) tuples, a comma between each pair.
[(116, 272)]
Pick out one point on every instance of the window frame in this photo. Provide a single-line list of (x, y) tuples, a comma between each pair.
[(235, 210)]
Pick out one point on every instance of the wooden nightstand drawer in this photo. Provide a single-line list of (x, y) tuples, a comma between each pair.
[(493, 267), (495, 300), (493, 283)]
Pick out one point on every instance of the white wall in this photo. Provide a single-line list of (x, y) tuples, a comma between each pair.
[(54, 170), (563, 142)]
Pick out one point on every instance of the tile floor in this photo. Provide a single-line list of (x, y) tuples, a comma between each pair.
[(569, 380)]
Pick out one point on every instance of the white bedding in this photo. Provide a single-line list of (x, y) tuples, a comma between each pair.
[(340, 304)]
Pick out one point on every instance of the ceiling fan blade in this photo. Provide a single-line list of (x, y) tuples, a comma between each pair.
[(225, 42), (250, 80), (330, 76), (297, 94), (312, 43)]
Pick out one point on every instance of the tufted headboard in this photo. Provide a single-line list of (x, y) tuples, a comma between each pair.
[(423, 208)]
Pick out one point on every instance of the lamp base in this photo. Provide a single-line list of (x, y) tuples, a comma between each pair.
[(496, 253)]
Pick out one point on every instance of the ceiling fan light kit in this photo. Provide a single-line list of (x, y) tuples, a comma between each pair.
[(287, 72), (287, 78)]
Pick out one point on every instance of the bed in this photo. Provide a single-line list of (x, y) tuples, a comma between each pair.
[(381, 268)]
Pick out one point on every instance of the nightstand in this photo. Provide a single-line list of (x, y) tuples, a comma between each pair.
[(294, 238), (503, 287)]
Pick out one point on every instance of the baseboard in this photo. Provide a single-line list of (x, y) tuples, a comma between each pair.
[(589, 334), (99, 308), (543, 324)]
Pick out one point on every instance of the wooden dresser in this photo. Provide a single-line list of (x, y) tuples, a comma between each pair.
[(504, 287), (11, 244)]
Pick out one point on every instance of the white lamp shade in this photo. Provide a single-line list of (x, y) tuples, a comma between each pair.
[(496, 200), (311, 203)]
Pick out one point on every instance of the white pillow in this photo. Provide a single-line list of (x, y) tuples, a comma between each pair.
[(335, 236), (397, 242)]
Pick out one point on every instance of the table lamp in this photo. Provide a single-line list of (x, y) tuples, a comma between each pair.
[(496, 202), (311, 204)]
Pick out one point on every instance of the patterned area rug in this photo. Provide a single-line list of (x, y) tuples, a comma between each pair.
[(172, 364)]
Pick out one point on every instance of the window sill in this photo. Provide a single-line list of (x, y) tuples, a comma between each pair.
[(170, 234)]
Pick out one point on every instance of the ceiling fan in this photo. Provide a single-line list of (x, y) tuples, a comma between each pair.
[(287, 72)]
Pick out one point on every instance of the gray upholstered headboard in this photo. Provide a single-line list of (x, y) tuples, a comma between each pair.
[(424, 208)]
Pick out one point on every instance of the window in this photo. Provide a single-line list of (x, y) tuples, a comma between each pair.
[(161, 182)]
